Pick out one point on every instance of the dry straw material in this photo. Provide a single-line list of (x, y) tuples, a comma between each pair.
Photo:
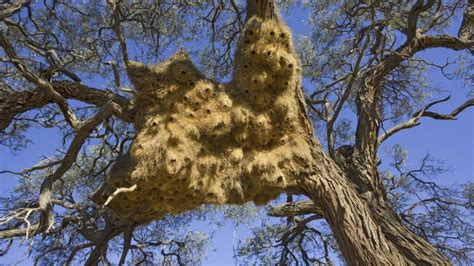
[(200, 142)]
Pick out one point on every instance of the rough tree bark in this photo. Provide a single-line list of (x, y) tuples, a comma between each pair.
[(351, 197)]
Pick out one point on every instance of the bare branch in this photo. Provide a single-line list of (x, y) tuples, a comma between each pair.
[(71, 256), (418, 8), (368, 99), (11, 233), (45, 197), (115, 69), (102, 243), (414, 120), (343, 99), (296, 208), (127, 241), (238, 13), (118, 30), (118, 83), (18, 232), (7, 10), (118, 191), (30, 76), (443, 41), (422, 42), (58, 65), (16, 103)]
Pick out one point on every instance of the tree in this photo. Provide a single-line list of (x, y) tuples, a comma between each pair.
[(362, 57)]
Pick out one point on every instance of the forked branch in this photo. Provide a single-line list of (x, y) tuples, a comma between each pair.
[(16, 103), (423, 112), (45, 198), (35, 79), (10, 9)]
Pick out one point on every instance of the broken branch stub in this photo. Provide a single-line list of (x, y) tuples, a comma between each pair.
[(200, 142)]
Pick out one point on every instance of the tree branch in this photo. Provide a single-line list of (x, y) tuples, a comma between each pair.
[(413, 16), (407, 50), (118, 191), (414, 120), (368, 99), (296, 208), (127, 241), (7, 10), (332, 119), (45, 203), (15, 103), (443, 41), (28, 75), (118, 31), (18, 231), (101, 244), (73, 253)]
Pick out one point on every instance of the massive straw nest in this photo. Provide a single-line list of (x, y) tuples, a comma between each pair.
[(199, 142)]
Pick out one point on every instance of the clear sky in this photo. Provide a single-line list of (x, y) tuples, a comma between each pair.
[(450, 141)]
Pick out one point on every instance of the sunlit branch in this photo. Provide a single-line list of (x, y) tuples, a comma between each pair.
[(118, 191), (418, 8), (16, 103), (414, 120), (45, 85), (296, 208)]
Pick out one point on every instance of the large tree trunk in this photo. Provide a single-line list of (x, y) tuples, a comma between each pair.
[(367, 233), (367, 230), (352, 197)]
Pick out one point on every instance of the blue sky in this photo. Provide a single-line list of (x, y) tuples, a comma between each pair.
[(450, 141)]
